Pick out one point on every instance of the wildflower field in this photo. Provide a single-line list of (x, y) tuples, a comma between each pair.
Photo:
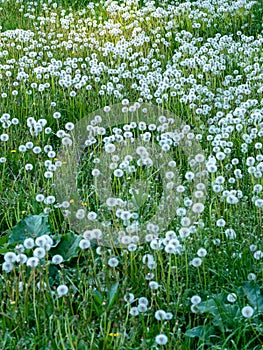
[(131, 163)]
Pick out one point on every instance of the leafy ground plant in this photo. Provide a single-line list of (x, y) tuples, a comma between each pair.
[(181, 168)]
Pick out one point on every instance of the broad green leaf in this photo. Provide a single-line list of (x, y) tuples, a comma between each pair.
[(202, 332), (210, 306), (30, 226), (98, 296), (56, 238), (3, 240), (112, 294), (229, 316), (68, 246), (253, 294)]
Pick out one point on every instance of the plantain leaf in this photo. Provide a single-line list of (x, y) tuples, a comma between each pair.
[(31, 226), (98, 296), (112, 294), (68, 246), (254, 296), (202, 332)]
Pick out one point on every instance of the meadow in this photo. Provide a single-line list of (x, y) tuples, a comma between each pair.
[(131, 163)]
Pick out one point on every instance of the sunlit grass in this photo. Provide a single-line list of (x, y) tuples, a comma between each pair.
[(191, 288)]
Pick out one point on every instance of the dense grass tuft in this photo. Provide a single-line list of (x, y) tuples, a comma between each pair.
[(131, 175)]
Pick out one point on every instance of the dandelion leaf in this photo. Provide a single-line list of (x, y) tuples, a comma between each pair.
[(202, 332), (68, 246), (31, 226), (253, 294), (112, 294)]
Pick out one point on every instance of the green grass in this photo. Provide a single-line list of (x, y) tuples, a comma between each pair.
[(206, 74)]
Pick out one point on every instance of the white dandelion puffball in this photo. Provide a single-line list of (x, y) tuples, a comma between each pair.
[(32, 262), (57, 259), (62, 290), (232, 297), (196, 299), (247, 311), (84, 244), (134, 311), (196, 262), (161, 339), (7, 266), (10, 257), (113, 262), (29, 243)]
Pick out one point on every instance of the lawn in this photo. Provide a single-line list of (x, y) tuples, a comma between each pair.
[(131, 163)]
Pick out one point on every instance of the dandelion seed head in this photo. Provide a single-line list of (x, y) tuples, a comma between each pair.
[(10, 257), (134, 311), (161, 339), (62, 290), (84, 244), (7, 266), (57, 259), (232, 297), (129, 298), (153, 285), (196, 262), (29, 243), (247, 311), (39, 253), (113, 262), (32, 262), (160, 315), (196, 299)]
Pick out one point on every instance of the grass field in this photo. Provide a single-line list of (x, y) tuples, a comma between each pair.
[(131, 163)]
